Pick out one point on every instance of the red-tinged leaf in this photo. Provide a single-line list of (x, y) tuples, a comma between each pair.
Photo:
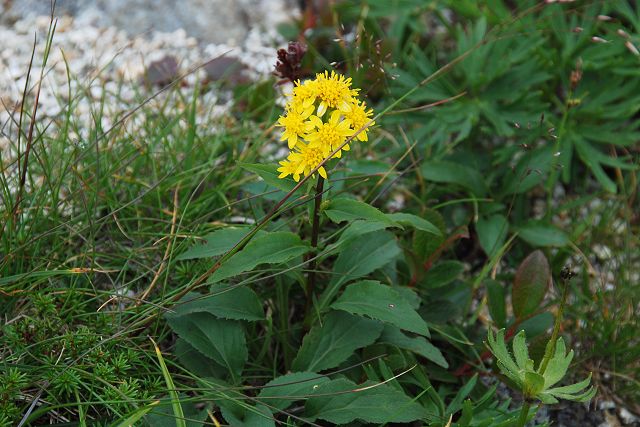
[(531, 283)]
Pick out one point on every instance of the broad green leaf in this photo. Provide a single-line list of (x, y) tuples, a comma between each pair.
[(223, 301), (196, 362), (415, 222), (442, 274), (496, 302), (419, 345), (216, 243), (492, 232), (341, 401), (358, 228), (269, 173), (280, 393), (244, 415), (328, 345), (343, 209), (381, 302), (359, 258), (220, 340), (424, 244), (455, 173), (410, 295), (271, 248), (539, 234), (531, 282)]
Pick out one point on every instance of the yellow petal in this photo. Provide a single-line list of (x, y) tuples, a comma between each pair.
[(323, 173), (292, 141), (322, 108)]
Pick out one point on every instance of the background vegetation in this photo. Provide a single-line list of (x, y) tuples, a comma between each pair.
[(515, 152)]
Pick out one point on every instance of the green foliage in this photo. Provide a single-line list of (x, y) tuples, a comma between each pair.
[(537, 384), (452, 217), (530, 285), (272, 248), (381, 302), (341, 401), (328, 345)]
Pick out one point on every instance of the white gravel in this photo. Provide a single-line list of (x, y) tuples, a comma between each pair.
[(109, 61)]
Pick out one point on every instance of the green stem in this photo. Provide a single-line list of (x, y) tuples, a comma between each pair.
[(551, 345), (315, 231), (524, 413)]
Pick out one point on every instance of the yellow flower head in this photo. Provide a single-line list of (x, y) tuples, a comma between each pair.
[(302, 161), (333, 90), (330, 134), (310, 134), (295, 124), (357, 115)]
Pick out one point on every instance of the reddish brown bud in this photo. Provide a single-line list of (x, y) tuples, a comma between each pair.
[(289, 63)]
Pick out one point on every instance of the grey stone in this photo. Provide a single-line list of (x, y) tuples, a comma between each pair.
[(211, 21)]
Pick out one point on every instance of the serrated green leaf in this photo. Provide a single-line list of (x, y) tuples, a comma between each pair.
[(280, 393), (197, 362), (381, 302), (558, 364), (359, 258), (520, 351), (570, 389), (531, 282), (218, 339), (499, 350), (223, 301), (216, 243), (343, 209), (272, 248), (415, 222), (329, 344), (338, 402), (419, 345)]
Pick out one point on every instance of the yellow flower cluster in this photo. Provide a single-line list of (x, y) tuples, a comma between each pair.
[(319, 117)]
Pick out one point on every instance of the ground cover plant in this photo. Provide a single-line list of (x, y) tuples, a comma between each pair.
[(428, 216)]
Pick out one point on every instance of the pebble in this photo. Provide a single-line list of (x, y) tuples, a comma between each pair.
[(108, 61)]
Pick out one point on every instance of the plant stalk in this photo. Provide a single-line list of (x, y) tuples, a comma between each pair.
[(315, 231), (524, 413), (551, 345)]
